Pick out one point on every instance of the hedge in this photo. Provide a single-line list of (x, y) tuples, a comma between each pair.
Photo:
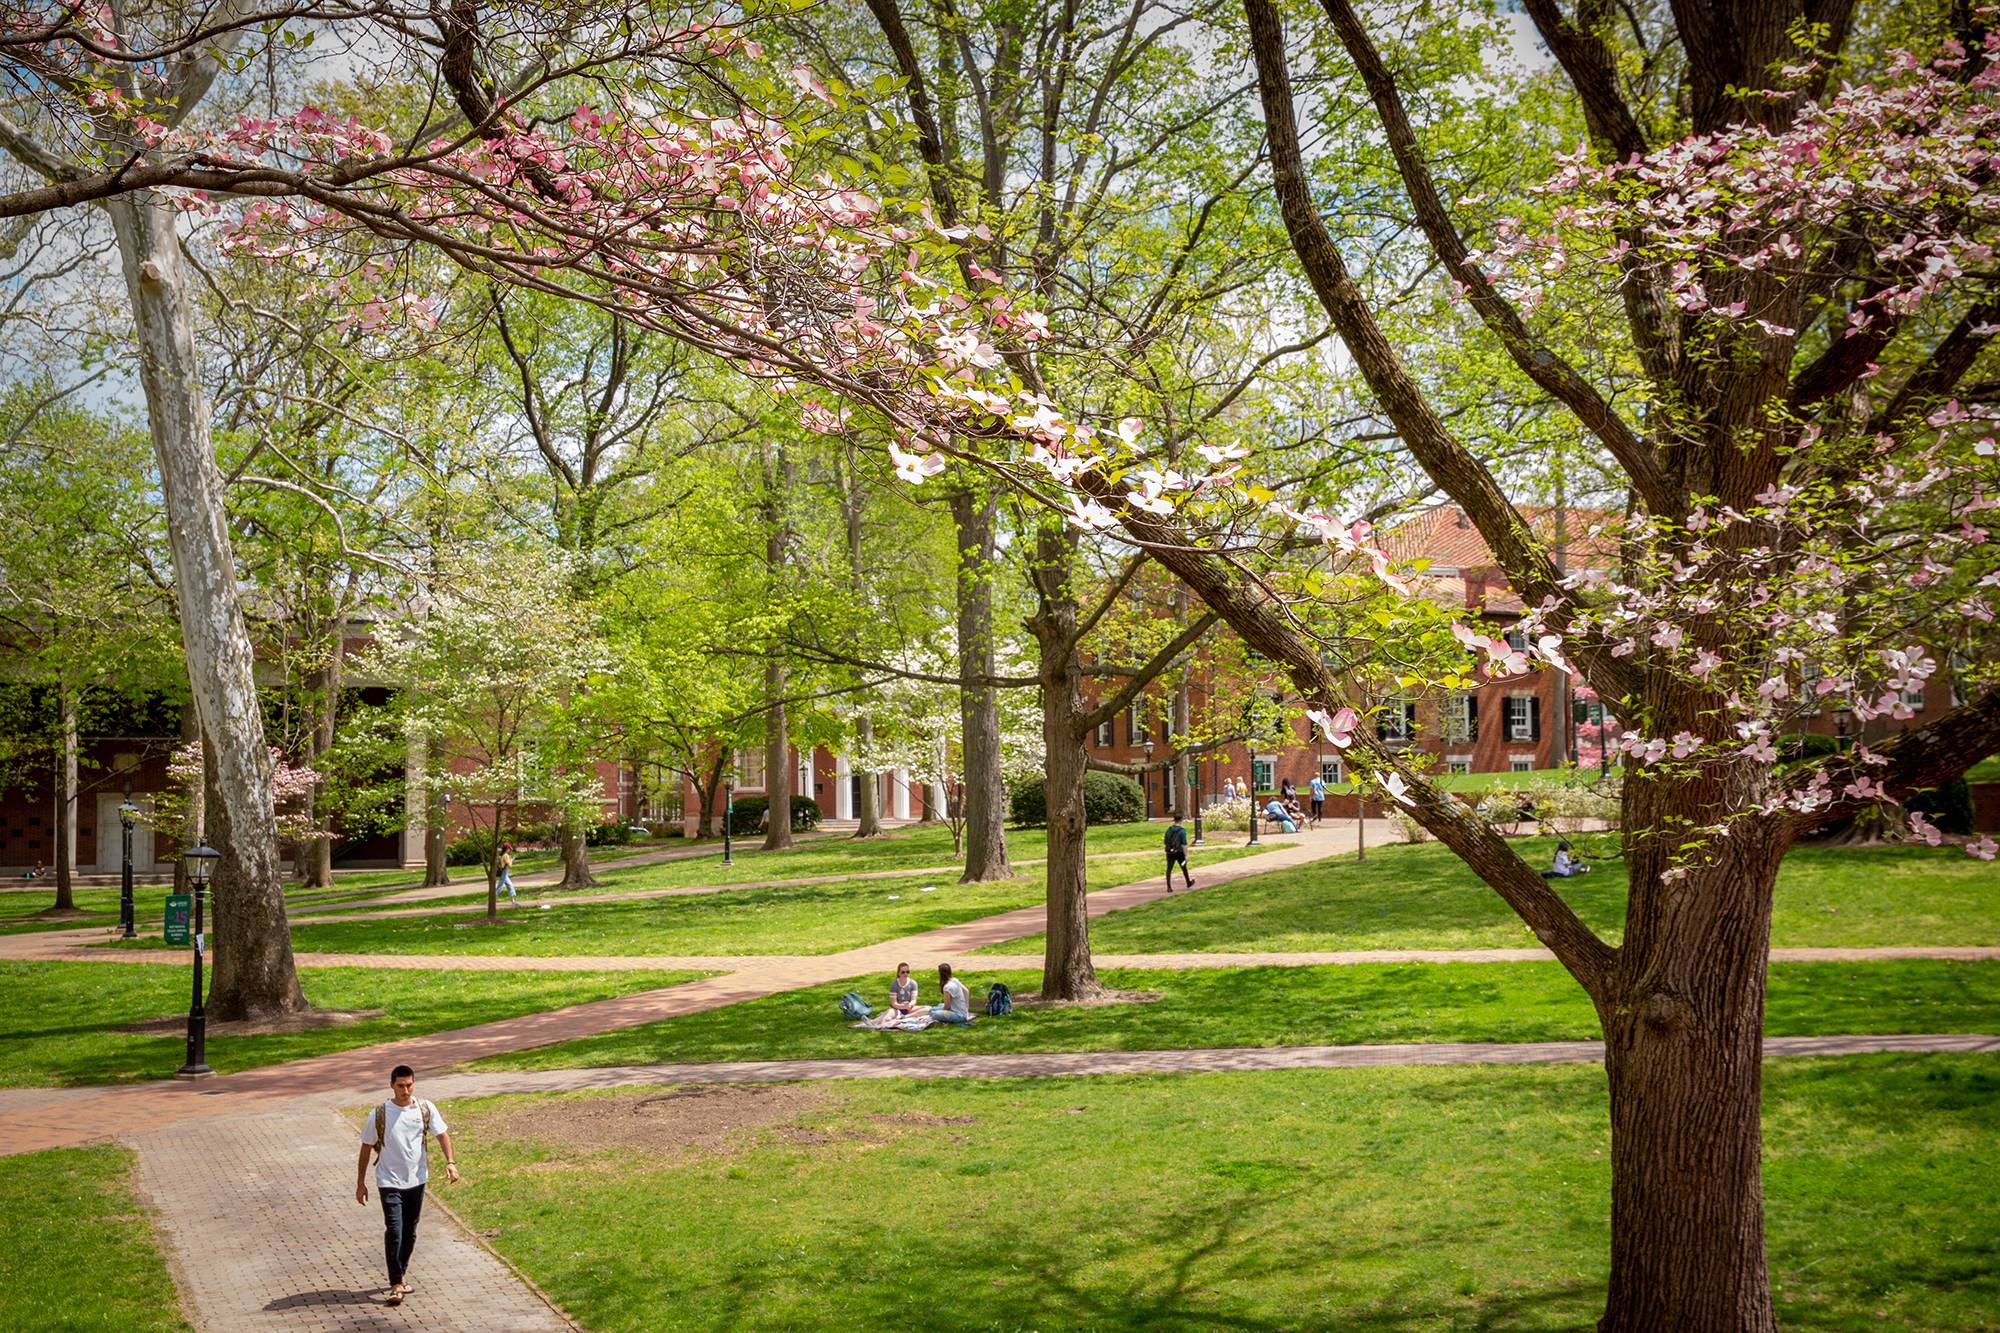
[(749, 816), (1108, 798)]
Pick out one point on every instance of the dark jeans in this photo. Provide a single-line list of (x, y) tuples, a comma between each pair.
[(400, 1211), (1173, 859)]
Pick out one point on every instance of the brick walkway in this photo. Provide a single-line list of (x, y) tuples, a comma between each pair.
[(262, 1231)]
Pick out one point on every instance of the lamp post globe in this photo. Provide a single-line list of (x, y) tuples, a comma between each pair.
[(200, 863), (127, 815)]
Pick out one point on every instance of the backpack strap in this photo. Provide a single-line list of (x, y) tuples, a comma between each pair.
[(382, 1123)]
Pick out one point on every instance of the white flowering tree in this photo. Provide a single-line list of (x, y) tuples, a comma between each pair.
[(490, 676)]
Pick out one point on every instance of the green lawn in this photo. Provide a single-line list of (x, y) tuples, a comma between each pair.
[(1390, 1199), (60, 1016), (1283, 1006), (77, 1250), (18, 911), (795, 918), (912, 849), (1422, 897)]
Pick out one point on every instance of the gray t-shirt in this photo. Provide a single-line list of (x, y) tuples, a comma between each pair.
[(904, 991), (955, 998)]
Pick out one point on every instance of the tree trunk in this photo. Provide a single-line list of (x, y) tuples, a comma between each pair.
[(1067, 973), (318, 851), (981, 787), (1683, 1028), (777, 762), (254, 975), (576, 855), (867, 798), (708, 797), (252, 959), (66, 803)]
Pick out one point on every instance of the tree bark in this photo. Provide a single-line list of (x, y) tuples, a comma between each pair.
[(1067, 971), (707, 797), (867, 798), (1683, 1025), (982, 789), (254, 975), (576, 855), (437, 870), (777, 762), (66, 801), (777, 748)]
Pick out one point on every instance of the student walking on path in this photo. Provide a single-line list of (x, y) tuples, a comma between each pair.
[(507, 874), (1177, 852), (395, 1134)]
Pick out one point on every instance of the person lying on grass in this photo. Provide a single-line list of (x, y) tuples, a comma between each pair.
[(957, 1006), (903, 990)]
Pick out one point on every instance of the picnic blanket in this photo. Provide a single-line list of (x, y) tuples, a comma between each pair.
[(891, 1021)]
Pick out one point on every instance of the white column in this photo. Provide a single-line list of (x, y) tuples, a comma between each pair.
[(415, 800), (899, 794), (937, 799), (843, 789)]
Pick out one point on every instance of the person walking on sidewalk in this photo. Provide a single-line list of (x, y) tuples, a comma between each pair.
[(395, 1134), (507, 874), (1177, 852)]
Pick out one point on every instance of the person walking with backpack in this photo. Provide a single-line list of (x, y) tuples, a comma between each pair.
[(395, 1136), (1177, 852), (507, 874)]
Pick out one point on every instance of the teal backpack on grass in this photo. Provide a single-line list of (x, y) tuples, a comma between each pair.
[(999, 1001), (854, 1007)]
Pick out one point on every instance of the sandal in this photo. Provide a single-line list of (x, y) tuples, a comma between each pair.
[(395, 1297)]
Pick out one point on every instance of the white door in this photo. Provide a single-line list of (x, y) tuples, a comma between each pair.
[(111, 837)]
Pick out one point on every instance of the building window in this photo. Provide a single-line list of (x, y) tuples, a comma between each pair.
[(1461, 717), (1104, 735), (1135, 729), (1520, 763), (1331, 770), (750, 768), (1264, 772), (1395, 720), (1914, 698), (1524, 717), (1458, 763), (1517, 638)]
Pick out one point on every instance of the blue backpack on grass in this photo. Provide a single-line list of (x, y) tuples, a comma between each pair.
[(999, 1001), (854, 1007)]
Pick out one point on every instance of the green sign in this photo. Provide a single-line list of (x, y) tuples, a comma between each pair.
[(179, 905)]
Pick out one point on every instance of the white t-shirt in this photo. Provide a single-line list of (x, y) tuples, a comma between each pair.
[(403, 1164), (955, 998)]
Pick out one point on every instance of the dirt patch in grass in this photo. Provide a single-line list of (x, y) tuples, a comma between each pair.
[(1034, 1000), (307, 1021), (715, 1120), (704, 1119)]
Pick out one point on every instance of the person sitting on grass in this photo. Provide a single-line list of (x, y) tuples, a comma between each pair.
[(957, 1006), (1566, 864), (1275, 813), (903, 991)]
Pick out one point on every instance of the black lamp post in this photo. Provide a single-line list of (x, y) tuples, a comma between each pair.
[(126, 812), (1149, 777), (728, 818), (1253, 804), (200, 862)]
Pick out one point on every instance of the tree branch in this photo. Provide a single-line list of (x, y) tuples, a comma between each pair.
[(1120, 698), (1536, 359)]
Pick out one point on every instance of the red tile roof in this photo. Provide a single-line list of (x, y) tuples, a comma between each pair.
[(1447, 538)]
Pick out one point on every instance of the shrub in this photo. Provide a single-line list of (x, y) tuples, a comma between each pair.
[(1797, 745), (750, 810), (1949, 806), (611, 833), (1108, 798), (469, 850)]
